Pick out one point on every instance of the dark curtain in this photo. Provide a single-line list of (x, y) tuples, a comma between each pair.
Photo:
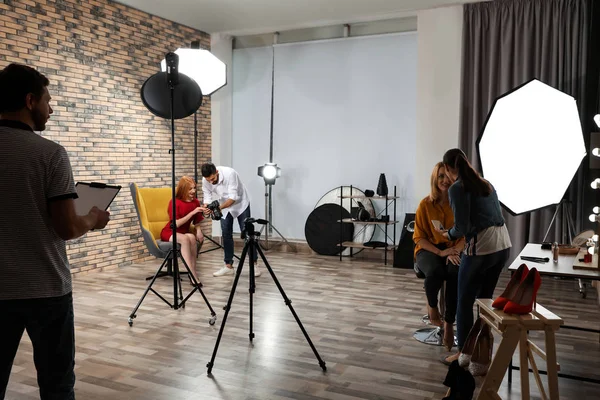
[(508, 42)]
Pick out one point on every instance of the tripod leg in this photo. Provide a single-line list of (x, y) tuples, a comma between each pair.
[(177, 286), (176, 283), (198, 287), (215, 248), (156, 275), (181, 304), (211, 363), (252, 287), (288, 302), (558, 207)]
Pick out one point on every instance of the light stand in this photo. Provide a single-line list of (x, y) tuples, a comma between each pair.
[(270, 172), (567, 232), (188, 100), (568, 226), (251, 245), (210, 74), (270, 227)]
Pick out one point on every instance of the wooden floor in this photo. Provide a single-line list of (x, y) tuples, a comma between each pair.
[(360, 316)]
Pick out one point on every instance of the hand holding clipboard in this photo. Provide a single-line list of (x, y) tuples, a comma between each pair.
[(95, 198), (94, 194)]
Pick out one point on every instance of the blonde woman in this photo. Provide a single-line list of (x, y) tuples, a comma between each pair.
[(437, 256)]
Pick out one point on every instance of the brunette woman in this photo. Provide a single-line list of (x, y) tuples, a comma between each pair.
[(477, 217)]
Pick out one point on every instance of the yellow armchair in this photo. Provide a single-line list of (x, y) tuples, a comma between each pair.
[(151, 207)]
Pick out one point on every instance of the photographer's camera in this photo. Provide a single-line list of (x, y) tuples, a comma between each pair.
[(215, 209)]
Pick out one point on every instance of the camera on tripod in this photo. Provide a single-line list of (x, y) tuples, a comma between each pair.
[(249, 226), (215, 208)]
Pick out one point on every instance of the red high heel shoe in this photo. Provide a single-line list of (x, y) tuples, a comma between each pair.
[(524, 299), (511, 288)]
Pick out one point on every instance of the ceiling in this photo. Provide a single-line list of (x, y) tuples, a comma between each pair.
[(245, 17)]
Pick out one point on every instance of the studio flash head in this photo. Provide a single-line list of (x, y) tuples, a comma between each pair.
[(172, 60)]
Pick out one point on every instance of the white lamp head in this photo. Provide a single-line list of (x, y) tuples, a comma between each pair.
[(269, 172)]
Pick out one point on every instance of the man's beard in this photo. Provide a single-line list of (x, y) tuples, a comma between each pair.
[(39, 120)]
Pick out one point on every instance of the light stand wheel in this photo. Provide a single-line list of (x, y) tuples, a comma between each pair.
[(130, 320), (212, 320)]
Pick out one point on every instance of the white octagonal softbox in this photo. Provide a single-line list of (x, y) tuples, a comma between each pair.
[(202, 66), (531, 146)]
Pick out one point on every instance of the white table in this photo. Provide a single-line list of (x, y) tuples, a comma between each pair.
[(564, 269)]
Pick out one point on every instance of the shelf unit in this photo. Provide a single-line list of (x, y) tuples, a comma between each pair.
[(390, 201)]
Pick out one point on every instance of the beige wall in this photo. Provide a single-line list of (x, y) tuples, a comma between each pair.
[(439, 36)]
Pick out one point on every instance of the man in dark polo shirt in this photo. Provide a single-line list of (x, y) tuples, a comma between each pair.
[(37, 216)]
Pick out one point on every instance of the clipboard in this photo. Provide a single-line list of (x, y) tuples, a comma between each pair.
[(94, 194)]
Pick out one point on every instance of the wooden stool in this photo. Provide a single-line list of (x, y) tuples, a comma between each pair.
[(514, 329)]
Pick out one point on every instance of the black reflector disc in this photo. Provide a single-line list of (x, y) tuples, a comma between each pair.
[(156, 96), (322, 229)]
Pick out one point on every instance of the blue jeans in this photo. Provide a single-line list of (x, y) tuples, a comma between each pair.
[(50, 326), (477, 278), (227, 233)]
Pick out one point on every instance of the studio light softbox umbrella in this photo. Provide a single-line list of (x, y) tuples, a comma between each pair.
[(203, 67), (210, 74), (531, 146)]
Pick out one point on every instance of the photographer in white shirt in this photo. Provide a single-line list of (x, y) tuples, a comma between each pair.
[(223, 184)]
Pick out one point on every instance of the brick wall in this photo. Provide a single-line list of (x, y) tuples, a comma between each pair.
[(97, 54)]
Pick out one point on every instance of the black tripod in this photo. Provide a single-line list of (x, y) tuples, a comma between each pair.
[(251, 245), (152, 95)]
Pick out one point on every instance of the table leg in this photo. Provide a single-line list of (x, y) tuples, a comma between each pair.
[(551, 364), (524, 365), (507, 347)]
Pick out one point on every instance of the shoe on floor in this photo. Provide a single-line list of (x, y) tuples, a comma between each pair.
[(223, 271), (257, 271)]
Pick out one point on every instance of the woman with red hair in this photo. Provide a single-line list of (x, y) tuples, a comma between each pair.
[(188, 210)]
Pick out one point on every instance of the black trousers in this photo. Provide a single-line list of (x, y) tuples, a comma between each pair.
[(436, 272), (50, 325)]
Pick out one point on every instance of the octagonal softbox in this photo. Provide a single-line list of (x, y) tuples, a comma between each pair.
[(531, 146), (203, 67)]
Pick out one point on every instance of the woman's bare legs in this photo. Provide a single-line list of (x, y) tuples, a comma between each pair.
[(193, 253), (188, 251), (199, 235)]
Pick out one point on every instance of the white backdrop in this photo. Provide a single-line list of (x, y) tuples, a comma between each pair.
[(344, 112)]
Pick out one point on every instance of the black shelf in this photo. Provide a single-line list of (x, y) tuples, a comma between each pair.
[(389, 201)]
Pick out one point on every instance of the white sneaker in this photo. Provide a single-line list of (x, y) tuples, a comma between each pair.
[(223, 271), (257, 272)]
